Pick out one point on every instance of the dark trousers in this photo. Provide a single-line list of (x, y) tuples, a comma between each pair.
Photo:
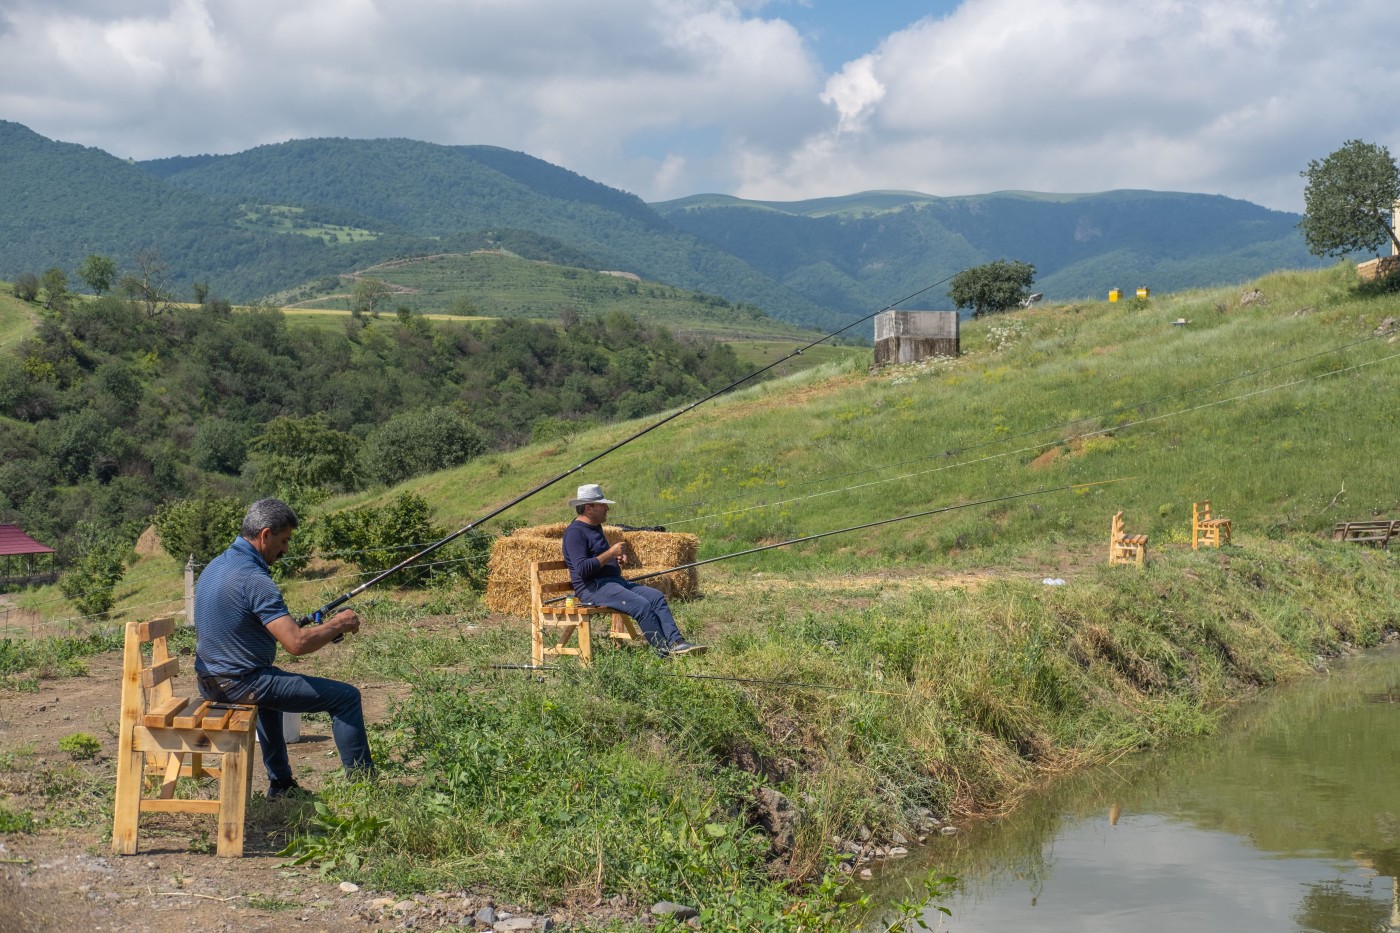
[(644, 603), (276, 691)]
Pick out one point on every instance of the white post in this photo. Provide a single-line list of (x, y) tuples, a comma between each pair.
[(1395, 225), (189, 591)]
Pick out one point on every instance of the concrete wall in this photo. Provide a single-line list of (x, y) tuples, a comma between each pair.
[(910, 336)]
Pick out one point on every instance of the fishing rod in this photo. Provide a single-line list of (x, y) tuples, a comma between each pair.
[(315, 618), (875, 524)]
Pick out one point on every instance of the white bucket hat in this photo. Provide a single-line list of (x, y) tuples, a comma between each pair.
[(588, 494)]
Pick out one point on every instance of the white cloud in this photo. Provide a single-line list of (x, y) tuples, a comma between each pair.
[(669, 97), (1085, 95), (563, 80)]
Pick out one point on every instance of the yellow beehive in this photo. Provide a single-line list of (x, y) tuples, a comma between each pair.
[(1114, 294)]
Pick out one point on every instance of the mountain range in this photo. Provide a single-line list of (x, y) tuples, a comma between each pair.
[(267, 219)]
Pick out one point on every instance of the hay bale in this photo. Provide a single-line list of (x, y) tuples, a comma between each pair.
[(148, 545), (508, 576)]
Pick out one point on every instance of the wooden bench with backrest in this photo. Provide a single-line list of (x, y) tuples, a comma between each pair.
[(1124, 548), (166, 734), (1212, 532), (549, 612), (1369, 532)]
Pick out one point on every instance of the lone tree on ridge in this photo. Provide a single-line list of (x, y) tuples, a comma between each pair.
[(1350, 199), (993, 287)]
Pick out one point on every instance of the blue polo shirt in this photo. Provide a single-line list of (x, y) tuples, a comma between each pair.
[(234, 600)]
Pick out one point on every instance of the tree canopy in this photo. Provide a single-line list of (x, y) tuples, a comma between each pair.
[(993, 287), (1349, 200)]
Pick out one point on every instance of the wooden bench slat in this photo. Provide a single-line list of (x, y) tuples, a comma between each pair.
[(191, 720), (156, 628), (172, 805), (161, 715), (159, 673)]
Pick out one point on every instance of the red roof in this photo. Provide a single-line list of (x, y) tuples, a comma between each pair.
[(15, 541)]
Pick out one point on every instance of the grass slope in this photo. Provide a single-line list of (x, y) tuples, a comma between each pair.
[(499, 284), (949, 679)]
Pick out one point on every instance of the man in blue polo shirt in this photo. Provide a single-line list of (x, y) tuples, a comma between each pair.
[(240, 619), (597, 577)]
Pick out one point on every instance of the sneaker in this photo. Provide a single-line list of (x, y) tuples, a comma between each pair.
[(685, 647), (290, 790)]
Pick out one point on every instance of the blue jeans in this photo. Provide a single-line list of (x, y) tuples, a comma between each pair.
[(276, 691), (644, 603)]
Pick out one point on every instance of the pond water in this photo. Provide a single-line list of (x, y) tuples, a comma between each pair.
[(1288, 819)]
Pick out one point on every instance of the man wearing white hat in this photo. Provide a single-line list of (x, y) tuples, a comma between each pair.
[(595, 569)]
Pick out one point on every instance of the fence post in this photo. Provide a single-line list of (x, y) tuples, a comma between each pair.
[(189, 591)]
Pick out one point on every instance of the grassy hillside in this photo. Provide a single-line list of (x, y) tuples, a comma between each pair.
[(1042, 398), (867, 248), (893, 676), (496, 283), (16, 317), (429, 190)]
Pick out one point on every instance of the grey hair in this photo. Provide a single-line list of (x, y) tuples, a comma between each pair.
[(273, 514)]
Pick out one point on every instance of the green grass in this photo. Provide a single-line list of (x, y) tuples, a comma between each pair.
[(280, 218), (16, 317), (500, 284), (1041, 399), (933, 671)]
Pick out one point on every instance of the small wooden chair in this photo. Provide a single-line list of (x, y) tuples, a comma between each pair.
[(1124, 548), (159, 728), (571, 619), (1212, 532)]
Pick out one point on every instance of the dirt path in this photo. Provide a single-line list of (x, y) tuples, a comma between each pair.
[(64, 877)]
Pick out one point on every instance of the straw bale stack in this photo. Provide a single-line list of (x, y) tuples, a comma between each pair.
[(148, 545), (508, 582)]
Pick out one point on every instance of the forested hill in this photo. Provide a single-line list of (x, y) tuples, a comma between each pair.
[(277, 216), (430, 190), (208, 216), (63, 201), (861, 250)]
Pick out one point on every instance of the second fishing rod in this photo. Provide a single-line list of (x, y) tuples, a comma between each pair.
[(316, 617)]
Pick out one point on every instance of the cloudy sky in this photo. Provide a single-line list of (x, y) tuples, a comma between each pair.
[(774, 99)]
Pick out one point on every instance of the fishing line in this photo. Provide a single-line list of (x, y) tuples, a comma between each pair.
[(874, 524), (1008, 453), (314, 618), (653, 519)]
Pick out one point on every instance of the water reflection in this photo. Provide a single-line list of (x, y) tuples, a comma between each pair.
[(1289, 819)]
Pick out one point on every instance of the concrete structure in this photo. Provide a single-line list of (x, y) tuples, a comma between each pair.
[(910, 336)]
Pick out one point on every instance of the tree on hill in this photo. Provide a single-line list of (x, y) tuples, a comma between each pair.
[(55, 285), (150, 286), (369, 294), (993, 287), (99, 272), (27, 286), (1349, 199)]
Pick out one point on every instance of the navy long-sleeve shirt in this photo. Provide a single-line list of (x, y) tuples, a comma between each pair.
[(582, 545)]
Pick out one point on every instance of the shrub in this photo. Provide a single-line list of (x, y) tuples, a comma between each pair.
[(80, 745), (27, 286), (419, 442), (201, 526), (91, 582)]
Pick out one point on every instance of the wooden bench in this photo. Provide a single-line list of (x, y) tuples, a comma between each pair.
[(1369, 532), (566, 619), (167, 735), (1124, 548), (1212, 532)]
